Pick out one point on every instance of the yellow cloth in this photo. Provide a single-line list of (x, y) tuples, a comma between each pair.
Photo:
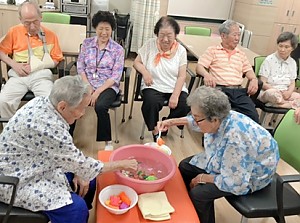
[(155, 206)]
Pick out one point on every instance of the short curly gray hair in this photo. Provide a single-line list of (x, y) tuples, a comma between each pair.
[(212, 102), (71, 89)]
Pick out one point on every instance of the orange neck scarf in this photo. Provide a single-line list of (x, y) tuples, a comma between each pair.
[(168, 54)]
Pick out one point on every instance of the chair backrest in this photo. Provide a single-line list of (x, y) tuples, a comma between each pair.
[(257, 63), (246, 40), (197, 30), (287, 137), (54, 17), (242, 29)]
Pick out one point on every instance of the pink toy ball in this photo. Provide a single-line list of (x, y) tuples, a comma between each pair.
[(114, 190), (155, 168)]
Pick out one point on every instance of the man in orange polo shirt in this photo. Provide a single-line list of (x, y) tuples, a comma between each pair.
[(224, 66), (34, 49)]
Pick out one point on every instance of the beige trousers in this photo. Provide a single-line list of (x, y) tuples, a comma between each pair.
[(39, 82)]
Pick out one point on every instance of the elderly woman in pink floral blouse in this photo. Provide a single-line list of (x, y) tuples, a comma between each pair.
[(100, 63)]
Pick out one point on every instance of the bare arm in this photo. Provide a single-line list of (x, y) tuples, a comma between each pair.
[(119, 165), (265, 86), (173, 102), (253, 84), (22, 69), (166, 124), (207, 78), (139, 66)]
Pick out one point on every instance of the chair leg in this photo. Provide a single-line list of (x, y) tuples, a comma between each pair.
[(273, 119), (132, 98), (262, 118), (116, 128), (181, 133), (123, 117), (244, 219), (143, 131)]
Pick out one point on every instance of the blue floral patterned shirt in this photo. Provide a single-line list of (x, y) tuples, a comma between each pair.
[(36, 147), (242, 155), (100, 65)]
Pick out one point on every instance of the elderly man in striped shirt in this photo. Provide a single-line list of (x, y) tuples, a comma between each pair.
[(224, 66)]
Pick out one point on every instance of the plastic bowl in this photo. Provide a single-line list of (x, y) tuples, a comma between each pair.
[(150, 154), (116, 189), (162, 148)]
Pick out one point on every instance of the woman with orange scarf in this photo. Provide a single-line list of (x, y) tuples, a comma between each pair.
[(162, 62)]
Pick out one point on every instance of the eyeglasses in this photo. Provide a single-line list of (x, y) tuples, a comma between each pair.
[(28, 23), (200, 120)]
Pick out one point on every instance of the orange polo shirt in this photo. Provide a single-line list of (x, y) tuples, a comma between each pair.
[(15, 43), (226, 67)]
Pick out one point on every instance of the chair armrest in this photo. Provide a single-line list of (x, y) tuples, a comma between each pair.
[(61, 68), (192, 80), (127, 71), (280, 181), (14, 181), (137, 92), (254, 96), (69, 67)]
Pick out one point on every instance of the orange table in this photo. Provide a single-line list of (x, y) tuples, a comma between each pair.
[(175, 190)]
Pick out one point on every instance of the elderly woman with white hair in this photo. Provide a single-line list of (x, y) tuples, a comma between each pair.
[(232, 161), (36, 147)]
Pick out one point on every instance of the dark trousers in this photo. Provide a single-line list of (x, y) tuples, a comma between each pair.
[(203, 195), (103, 103), (105, 99), (153, 102), (89, 197), (241, 102)]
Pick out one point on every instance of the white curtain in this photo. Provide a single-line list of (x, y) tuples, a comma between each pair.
[(144, 14)]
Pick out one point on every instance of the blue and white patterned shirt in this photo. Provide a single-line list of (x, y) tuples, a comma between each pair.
[(242, 155), (36, 147)]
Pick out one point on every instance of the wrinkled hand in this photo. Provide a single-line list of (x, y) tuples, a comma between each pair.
[(83, 185), (94, 98), (253, 86), (173, 102), (148, 80), (22, 69), (195, 181), (131, 164), (297, 115), (163, 125), (286, 95), (209, 81)]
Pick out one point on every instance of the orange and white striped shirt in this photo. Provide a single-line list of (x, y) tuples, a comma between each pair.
[(15, 43), (226, 67)]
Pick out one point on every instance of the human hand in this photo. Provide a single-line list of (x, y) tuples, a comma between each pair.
[(195, 181), (22, 69), (148, 80), (130, 164), (297, 115), (163, 125), (209, 81), (94, 97), (253, 86), (286, 94), (83, 185), (173, 102)]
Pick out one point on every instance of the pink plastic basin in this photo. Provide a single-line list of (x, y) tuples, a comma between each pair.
[(144, 152)]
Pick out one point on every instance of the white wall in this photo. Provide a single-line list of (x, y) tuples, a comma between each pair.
[(122, 5)]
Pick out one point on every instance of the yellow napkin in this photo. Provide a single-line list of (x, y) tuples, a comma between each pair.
[(155, 206)]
